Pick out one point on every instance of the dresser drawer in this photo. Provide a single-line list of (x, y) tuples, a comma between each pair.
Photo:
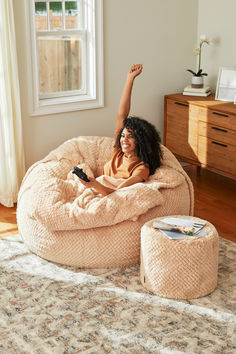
[(221, 156), (222, 119), (178, 109), (218, 118), (217, 133), (181, 136)]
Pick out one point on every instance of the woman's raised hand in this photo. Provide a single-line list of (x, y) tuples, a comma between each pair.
[(135, 70), (125, 100)]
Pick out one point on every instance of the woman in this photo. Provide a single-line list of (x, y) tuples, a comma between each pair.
[(137, 153)]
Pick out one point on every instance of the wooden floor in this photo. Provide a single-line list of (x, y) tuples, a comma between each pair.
[(215, 201), (8, 224)]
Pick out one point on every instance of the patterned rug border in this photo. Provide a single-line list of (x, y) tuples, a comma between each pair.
[(51, 308)]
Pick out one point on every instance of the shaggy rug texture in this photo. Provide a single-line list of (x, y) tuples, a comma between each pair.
[(49, 308)]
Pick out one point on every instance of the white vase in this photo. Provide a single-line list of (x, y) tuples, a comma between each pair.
[(197, 81)]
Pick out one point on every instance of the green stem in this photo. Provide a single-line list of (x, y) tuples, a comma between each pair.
[(199, 59)]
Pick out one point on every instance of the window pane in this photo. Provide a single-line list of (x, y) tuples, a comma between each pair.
[(72, 14), (59, 63), (55, 14), (40, 16)]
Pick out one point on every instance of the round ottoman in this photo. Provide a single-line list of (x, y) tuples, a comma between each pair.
[(179, 269)]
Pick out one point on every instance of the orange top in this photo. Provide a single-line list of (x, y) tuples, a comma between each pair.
[(120, 166)]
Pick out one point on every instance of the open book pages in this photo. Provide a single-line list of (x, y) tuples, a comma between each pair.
[(177, 228)]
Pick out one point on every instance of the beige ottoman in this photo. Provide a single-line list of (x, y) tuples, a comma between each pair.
[(179, 269)]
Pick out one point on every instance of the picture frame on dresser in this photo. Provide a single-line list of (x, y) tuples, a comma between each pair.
[(226, 85)]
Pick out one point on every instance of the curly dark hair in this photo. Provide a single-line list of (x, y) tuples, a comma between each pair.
[(147, 141)]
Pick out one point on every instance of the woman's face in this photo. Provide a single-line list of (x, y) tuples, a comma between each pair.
[(127, 142)]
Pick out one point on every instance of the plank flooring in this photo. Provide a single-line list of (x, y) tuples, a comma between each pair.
[(215, 201), (8, 224)]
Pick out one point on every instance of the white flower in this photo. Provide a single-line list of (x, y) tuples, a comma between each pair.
[(198, 52), (204, 39)]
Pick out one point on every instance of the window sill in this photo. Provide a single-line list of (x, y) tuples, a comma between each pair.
[(55, 106)]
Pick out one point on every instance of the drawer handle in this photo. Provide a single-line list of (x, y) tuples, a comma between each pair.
[(215, 142), (220, 114), (181, 104), (220, 129)]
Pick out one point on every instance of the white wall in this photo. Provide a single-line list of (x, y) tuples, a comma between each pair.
[(216, 19), (158, 33)]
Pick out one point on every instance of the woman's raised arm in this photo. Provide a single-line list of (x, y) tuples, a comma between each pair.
[(125, 100)]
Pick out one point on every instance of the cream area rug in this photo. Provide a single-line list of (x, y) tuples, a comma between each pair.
[(49, 308)]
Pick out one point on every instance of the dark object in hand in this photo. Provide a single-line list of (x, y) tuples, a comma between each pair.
[(80, 173)]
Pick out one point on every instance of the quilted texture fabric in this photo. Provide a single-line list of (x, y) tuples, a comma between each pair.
[(62, 221), (179, 269)]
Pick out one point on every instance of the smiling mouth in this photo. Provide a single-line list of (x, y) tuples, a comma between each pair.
[(125, 146)]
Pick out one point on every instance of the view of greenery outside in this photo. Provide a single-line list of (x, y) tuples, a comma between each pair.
[(59, 57), (56, 6), (40, 7)]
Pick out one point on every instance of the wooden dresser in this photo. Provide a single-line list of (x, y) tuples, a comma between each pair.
[(201, 131)]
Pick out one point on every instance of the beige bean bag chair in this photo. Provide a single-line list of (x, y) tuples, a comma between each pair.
[(62, 221)]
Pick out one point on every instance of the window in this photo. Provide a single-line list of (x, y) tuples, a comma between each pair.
[(67, 55)]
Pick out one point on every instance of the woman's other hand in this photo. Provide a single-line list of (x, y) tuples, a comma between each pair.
[(100, 188), (90, 184)]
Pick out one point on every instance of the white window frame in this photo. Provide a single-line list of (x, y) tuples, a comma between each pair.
[(92, 94)]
